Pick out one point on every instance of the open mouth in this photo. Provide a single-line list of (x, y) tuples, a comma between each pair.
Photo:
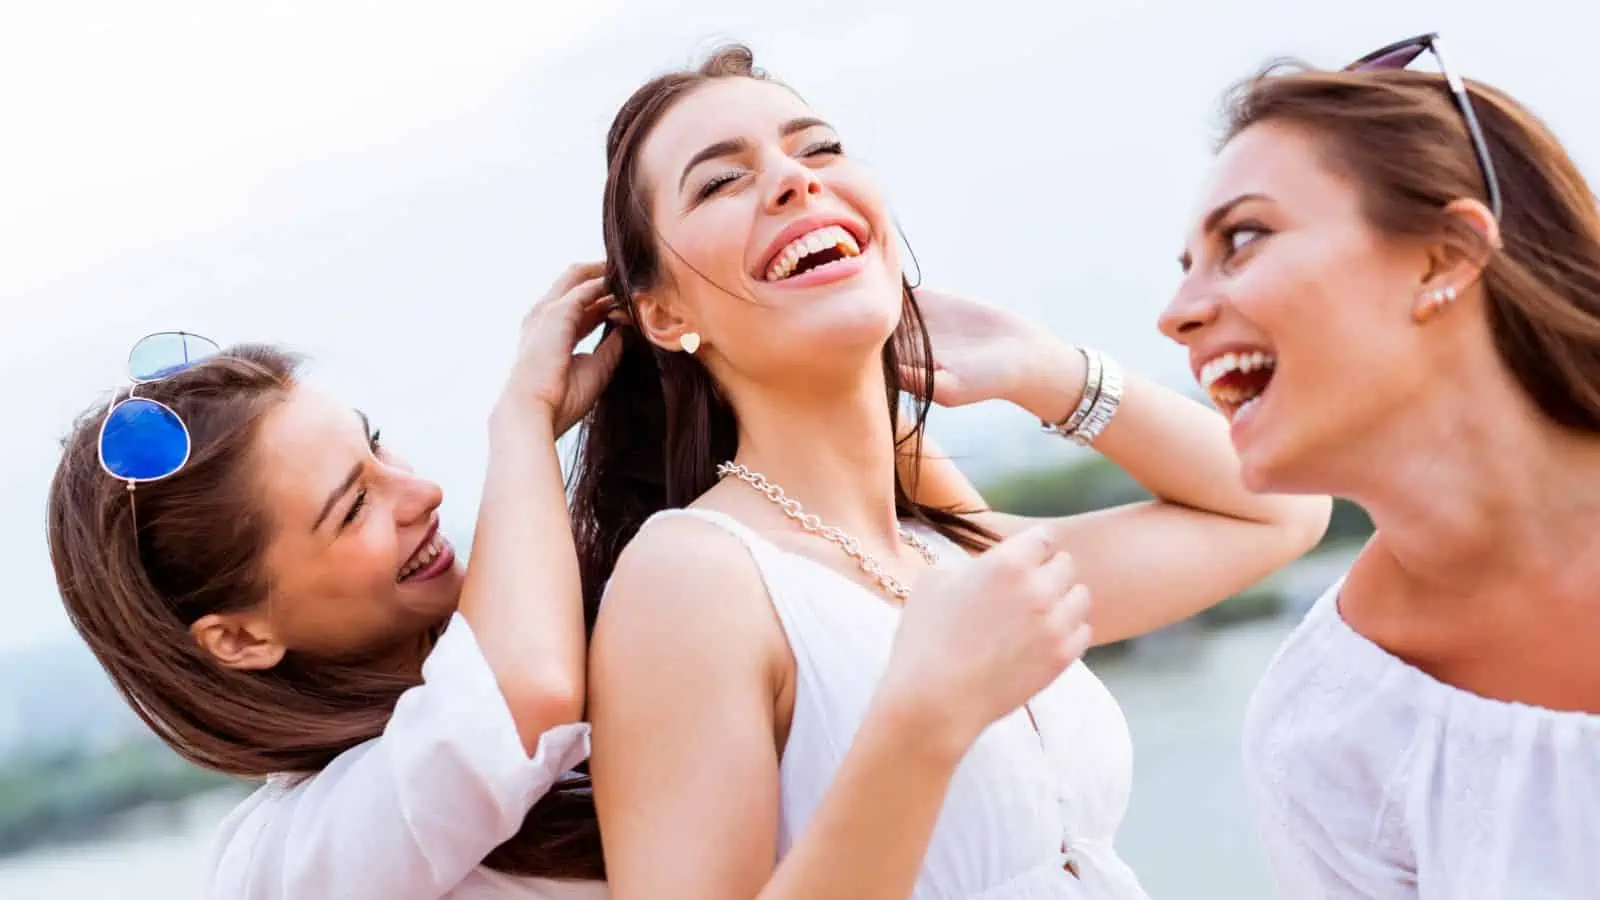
[(432, 558), (820, 247), (1237, 381)]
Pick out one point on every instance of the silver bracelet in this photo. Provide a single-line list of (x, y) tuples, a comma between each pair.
[(1105, 406), (1102, 395), (1091, 387)]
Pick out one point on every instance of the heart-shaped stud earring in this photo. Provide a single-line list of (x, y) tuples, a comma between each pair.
[(690, 342)]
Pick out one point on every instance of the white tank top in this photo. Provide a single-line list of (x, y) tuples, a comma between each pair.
[(1016, 797)]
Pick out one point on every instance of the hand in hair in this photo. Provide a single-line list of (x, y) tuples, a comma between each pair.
[(981, 352), (548, 378)]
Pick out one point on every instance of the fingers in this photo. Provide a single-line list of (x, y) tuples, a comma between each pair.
[(1068, 622), (914, 379), (574, 275), (1030, 549), (1057, 575), (606, 356), (592, 315)]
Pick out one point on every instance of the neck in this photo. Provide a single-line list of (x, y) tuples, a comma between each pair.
[(1476, 489), (830, 450)]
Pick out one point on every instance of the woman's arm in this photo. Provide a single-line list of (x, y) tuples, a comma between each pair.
[(686, 674), (468, 751), (522, 594), (1205, 536)]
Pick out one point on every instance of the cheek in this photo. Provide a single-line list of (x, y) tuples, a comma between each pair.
[(709, 243), (1305, 290)]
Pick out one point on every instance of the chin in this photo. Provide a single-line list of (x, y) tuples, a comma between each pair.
[(1267, 469), (439, 602)]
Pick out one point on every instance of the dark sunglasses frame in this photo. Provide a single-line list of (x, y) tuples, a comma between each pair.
[(1401, 54)]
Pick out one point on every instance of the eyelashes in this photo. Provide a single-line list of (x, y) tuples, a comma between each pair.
[(719, 181), (375, 444)]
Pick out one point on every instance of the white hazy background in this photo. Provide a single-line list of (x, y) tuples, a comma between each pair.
[(388, 185)]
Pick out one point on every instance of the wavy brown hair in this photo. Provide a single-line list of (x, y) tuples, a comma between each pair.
[(661, 427), (1400, 137), (133, 591)]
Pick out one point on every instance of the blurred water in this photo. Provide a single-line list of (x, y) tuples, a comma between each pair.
[(1187, 832)]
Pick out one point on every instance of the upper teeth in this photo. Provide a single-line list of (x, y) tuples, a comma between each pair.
[(422, 557), (823, 238), (1228, 363)]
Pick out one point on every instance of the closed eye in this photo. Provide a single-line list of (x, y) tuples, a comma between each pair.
[(355, 508), (823, 148), (716, 183)]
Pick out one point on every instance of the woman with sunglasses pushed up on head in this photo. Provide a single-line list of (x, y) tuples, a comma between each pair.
[(266, 584), (1413, 267)]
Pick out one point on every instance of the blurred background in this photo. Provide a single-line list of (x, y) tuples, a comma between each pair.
[(387, 186)]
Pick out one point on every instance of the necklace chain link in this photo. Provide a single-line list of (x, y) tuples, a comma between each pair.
[(814, 525), (852, 548)]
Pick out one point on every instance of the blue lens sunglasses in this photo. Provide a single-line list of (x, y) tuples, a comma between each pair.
[(142, 440)]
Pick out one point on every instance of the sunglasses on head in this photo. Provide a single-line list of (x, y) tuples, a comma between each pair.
[(1401, 54), (141, 439)]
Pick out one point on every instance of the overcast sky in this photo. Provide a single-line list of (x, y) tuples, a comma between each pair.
[(387, 185)]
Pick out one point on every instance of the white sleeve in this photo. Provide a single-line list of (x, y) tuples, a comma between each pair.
[(409, 814), (1310, 862)]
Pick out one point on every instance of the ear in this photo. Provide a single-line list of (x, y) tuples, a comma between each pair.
[(1455, 266), (1458, 263), (239, 640), (656, 317)]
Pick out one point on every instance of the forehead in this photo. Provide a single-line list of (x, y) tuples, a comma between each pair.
[(305, 448), (722, 109), (1278, 160)]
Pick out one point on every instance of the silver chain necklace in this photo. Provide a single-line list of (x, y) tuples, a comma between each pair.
[(811, 523), (852, 548)]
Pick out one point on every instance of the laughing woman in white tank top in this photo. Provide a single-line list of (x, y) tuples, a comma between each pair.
[(783, 671)]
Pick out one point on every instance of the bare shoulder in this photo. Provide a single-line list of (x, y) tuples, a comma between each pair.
[(683, 586)]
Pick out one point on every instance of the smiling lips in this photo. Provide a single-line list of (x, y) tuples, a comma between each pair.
[(421, 562), (814, 249), (1236, 380)]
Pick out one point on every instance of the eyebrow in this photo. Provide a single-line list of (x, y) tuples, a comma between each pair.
[(740, 145), (1215, 217), (349, 481)]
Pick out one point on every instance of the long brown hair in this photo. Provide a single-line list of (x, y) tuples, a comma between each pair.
[(661, 427), (132, 591), (1400, 137)]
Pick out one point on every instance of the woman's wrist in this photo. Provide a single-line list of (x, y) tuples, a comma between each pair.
[(925, 725), (519, 417), (1053, 383)]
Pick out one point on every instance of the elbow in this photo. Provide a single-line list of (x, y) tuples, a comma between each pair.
[(541, 701), (1303, 522)]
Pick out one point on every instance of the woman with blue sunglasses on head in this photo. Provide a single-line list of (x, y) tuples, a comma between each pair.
[(267, 585), (1412, 268)]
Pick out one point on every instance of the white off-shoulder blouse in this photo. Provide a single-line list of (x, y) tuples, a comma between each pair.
[(1372, 779)]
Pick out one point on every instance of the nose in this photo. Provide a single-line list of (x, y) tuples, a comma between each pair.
[(1190, 311), (415, 497), (793, 184)]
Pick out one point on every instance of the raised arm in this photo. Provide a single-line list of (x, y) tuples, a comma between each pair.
[(688, 668), (494, 723), (1204, 537), (522, 593)]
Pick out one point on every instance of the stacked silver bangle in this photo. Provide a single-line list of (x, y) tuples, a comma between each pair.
[(1102, 394)]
